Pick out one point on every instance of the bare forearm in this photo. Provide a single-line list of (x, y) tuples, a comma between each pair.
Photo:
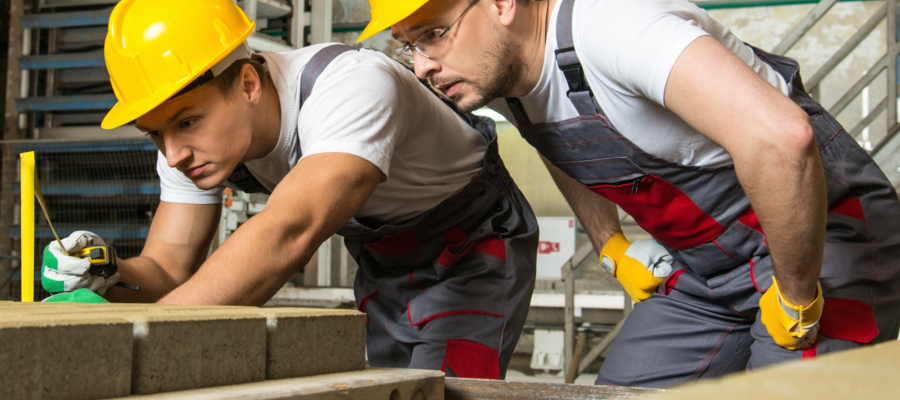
[(153, 279), (789, 196), (250, 267), (598, 216)]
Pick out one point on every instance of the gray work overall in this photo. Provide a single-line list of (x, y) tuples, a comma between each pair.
[(704, 319), (449, 290)]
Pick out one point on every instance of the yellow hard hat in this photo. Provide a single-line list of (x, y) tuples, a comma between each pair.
[(155, 48), (386, 13)]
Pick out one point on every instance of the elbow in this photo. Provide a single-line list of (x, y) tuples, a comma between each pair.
[(799, 140)]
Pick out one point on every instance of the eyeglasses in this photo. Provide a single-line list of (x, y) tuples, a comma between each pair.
[(432, 44)]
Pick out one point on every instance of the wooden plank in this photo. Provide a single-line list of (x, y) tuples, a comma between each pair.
[(373, 383), (478, 389)]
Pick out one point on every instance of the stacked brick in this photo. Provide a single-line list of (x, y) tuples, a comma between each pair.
[(69, 351)]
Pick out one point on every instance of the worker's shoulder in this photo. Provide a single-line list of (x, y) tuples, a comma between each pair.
[(358, 65), (629, 17)]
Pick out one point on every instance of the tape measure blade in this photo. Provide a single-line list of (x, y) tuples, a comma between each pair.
[(40, 198)]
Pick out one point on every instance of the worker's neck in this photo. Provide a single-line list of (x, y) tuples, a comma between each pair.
[(266, 124), (532, 35)]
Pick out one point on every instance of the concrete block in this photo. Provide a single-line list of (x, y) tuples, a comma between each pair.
[(65, 357), (373, 383), (175, 347), (304, 342), (188, 349)]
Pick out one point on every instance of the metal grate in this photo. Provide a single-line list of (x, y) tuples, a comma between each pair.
[(107, 187)]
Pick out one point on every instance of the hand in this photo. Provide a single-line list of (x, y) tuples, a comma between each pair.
[(84, 296), (793, 327), (640, 266), (61, 273)]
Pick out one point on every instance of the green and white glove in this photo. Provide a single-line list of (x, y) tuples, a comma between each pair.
[(83, 296), (61, 274)]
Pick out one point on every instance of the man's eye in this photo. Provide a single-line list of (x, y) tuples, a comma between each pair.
[(154, 133), (188, 123), (431, 35)]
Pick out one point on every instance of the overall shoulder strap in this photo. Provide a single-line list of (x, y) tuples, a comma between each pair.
[(579, 92), (317, 65), (241, 178)]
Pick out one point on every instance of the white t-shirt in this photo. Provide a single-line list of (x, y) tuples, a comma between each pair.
[(370, 106), (628, 49)]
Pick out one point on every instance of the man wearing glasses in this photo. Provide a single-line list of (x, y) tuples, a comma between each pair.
[(782, 229), (346, 141)]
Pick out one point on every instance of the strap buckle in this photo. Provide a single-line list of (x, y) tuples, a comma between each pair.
[(573, 72)]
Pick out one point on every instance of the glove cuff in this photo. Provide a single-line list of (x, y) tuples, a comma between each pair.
[(613, 251), (806, 317)]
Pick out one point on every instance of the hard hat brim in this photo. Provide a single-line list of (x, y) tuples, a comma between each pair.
[(123, 113), (384, 19)]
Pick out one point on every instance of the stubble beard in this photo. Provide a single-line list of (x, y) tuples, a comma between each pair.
[(502, 70)]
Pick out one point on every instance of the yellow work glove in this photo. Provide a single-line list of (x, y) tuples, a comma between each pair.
[(792, 327), (640, 266)]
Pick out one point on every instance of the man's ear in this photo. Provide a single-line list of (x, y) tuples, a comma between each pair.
[(250, 84), (504, 10)]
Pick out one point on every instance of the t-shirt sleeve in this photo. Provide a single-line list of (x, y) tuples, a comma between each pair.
[(634, 44), (177, 188), (354, 112)]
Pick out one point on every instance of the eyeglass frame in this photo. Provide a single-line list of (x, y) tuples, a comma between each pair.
[(408, 48)]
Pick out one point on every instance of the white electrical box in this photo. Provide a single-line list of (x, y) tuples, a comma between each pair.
[(557, 245), (548, 349)]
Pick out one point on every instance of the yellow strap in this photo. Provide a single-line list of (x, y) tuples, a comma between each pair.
[(27, 229)]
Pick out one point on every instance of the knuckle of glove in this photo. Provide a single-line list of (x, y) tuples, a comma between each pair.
[(73, 265), (791, 327), (81, 239)]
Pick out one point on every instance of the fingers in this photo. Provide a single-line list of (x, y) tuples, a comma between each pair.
[(70, 281), (653, 256), (100, 285), (97, 283), (72, 265), (78, 240), (112, 280)]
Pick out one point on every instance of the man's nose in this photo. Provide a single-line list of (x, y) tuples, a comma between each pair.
[(176, 153), (424, 66)]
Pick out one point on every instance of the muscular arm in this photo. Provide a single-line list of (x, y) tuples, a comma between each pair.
[(177, 244), (774, 151), (598, 215), (320, 194)]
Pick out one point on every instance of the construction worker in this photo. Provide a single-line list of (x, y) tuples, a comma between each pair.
[(445, 242), (781, 228)]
